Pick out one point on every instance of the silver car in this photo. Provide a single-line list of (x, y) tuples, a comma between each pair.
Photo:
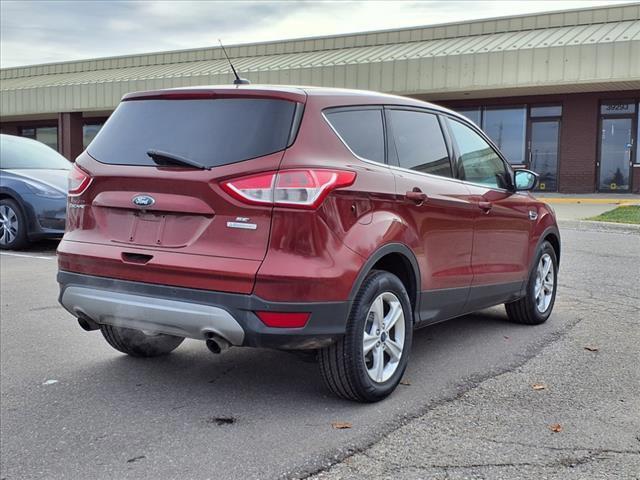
[(33, 191)]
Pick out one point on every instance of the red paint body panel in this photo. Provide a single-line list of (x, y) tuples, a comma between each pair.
[(295, 255), (501, 236), (164, 268), (306, 260), (194, 207), (440, 230)]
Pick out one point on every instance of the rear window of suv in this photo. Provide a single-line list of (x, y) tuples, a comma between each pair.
[(212, 132), (360, 130)]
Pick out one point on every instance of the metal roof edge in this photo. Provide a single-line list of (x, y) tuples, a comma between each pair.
[(216, 52)]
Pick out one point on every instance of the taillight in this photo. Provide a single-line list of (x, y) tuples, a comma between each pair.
[(300, 188), (77, 181)]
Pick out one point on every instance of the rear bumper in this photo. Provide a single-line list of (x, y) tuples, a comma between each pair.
[(194, 313)]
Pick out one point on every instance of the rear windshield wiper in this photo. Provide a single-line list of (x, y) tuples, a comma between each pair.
[(161, 158)]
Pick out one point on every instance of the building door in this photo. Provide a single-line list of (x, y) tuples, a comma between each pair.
[(616, 147), (544, 141)]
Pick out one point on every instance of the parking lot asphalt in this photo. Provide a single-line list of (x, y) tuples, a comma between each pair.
[(570, 413), (73, 408)]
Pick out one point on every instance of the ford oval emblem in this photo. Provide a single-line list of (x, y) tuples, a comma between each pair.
[(143, 200)]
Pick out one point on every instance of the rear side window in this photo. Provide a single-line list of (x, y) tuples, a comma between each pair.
[(211, 132), (419, 142), (361, 130)]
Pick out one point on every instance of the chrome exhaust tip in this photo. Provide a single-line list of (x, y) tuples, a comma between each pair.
[(87, 324), (216, 344)]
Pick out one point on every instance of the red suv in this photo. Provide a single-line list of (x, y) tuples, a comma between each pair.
[(300, 219)]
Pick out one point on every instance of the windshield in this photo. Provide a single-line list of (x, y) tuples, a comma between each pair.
[(18, 153), (208, 132)]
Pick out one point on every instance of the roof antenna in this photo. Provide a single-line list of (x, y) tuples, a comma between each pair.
[(239, 80)]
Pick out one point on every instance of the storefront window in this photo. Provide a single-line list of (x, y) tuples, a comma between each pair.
[(507, 127), (89, 131), (46, 135), (546, 111), (472, 114)]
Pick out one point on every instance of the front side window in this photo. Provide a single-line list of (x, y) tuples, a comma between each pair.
[(361, 130), (477, 160), (419, 142)]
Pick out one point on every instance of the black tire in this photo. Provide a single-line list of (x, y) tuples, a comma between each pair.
[(525, 310), (139, 344), (20, 239), (343, 365)]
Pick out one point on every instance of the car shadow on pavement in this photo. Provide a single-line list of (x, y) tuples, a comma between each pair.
[(41, 246), (192, 375)]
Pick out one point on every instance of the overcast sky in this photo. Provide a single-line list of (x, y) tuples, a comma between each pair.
[(58, 30)]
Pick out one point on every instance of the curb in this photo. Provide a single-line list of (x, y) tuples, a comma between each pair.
[(591, 201), (600, 226)]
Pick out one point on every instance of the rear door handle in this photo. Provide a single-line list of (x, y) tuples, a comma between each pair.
[(416, 195), (485, 206)]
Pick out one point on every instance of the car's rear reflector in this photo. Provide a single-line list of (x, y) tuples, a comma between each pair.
[(284, 319), (299, 188)]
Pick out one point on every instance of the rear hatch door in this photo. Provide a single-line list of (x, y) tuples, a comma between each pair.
[(155, 204)]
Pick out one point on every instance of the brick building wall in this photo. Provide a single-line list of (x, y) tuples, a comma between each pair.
[(636, 179), (578, 144)]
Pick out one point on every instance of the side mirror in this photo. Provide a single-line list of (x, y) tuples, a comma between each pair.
[(525, 180)]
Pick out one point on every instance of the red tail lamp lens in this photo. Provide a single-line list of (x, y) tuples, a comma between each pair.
[(78, 181), (300, 188), (284, 319)]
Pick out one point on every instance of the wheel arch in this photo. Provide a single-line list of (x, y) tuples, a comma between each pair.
[(554, 239), (6, 194), (550, 234), (398, 259)]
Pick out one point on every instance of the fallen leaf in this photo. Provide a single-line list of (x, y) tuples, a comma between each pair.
[(341, 425), (405, 382), (556, 428), (222, 420), (539, 386)]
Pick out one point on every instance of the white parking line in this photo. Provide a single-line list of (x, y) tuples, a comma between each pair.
[(52, 257)]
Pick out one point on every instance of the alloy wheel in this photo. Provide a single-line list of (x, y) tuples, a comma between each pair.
[(8, 225), (545, 283), (384, 335)]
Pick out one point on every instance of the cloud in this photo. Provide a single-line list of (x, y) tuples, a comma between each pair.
[(37, 31)]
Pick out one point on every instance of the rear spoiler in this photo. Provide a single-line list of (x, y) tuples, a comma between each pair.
[(290, 94)]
